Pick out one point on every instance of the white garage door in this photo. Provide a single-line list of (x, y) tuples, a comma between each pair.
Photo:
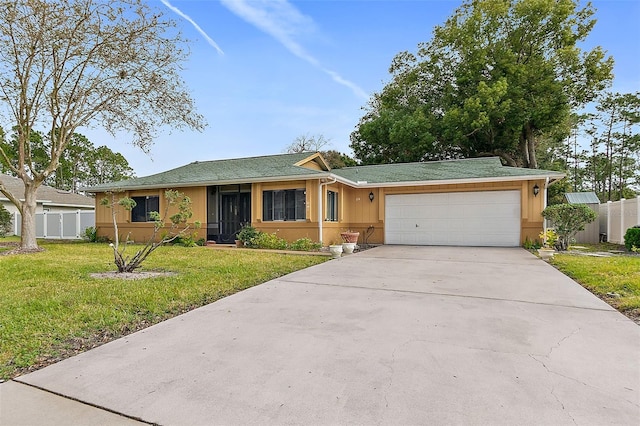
[(490, 218)]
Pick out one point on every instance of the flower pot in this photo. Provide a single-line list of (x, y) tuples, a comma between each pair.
[(239, 243), (336, 251), (546, 253), (350, 237), (348, 248)]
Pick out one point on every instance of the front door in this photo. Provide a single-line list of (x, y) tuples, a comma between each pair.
[(235, 212)]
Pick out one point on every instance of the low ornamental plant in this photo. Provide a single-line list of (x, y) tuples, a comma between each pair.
[(549, 238), (531, 245), (305, 244), (268, 241)]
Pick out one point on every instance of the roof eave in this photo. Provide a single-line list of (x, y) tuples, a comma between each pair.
[(78, 206), (318, 175), (455, 181)]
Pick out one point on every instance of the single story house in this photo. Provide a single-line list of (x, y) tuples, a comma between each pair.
[(470, 202)]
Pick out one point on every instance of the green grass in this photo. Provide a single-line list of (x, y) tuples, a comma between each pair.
[(51, 307), (602, 275), (603, 247)]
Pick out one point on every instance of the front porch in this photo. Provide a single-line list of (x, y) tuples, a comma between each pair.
[(228, 210)]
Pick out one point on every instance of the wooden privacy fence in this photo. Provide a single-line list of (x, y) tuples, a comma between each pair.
[(618, 216), (66, 226)]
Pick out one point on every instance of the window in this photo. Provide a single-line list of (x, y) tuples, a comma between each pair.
[(289, 204), (144, 206), (332, 206)]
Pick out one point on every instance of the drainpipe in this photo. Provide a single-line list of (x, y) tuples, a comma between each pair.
[(544, 203), (320, 192)]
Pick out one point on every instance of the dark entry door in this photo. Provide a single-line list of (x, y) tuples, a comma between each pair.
[(236, 211)]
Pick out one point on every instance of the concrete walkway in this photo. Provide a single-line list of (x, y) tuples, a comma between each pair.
[(393, 335)]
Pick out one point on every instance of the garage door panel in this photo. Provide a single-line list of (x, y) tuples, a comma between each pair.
[(490, 218)]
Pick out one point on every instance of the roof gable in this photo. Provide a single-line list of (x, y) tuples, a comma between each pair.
[(315, 161)]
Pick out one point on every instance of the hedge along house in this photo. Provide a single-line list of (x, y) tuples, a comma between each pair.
[(470, 202)]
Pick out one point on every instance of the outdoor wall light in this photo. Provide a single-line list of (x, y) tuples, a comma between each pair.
[(371, 197), (536, 190)]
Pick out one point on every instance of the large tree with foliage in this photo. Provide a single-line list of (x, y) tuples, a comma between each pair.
[(68, 64), (496, 76), (81, 164), (599, 151)]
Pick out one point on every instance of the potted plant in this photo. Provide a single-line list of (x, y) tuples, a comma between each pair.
[(335, 250), (350, 236), (549, 239), (246, 235), (348, 248)]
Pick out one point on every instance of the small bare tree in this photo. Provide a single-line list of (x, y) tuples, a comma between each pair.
[(307, 143), (178, 226), (67, 64)]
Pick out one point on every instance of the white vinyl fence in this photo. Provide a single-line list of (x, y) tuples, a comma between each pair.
[(66, 226), (618, 216)]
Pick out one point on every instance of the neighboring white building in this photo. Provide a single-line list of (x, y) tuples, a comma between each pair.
[(49, 199)]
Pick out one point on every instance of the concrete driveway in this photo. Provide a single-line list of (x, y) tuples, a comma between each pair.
[(392, 335)]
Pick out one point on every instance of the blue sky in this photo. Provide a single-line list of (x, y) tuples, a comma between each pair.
[(265, 72)]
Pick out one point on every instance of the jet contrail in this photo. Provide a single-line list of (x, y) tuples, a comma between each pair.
[(196, 26), (281, 20)]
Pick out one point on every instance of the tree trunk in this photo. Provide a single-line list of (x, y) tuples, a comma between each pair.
[(524, 152), (28, 227), (530, 146)]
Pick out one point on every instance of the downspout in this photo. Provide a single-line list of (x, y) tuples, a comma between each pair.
[(320, 193), (544, 204)]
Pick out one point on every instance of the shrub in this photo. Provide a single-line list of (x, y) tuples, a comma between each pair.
[(568, 220), (247, 233), (188, 240), (268, 241), (305, 244), (91, 235), (632, 237), (5, 221)]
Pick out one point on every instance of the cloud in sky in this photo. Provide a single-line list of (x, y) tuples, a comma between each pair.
[(196, 26), (284, 22)]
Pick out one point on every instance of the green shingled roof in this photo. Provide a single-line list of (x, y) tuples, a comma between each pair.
[(252, 169), (283, 167), (472, 168)]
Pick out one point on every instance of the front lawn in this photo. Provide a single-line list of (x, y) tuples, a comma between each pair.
[(614, 279), (51, 308)]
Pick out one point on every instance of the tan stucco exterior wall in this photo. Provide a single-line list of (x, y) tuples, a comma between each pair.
[(142, 231), (356, 211)]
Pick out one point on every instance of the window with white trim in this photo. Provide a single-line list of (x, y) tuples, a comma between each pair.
[(286, 204), (332, 206)]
